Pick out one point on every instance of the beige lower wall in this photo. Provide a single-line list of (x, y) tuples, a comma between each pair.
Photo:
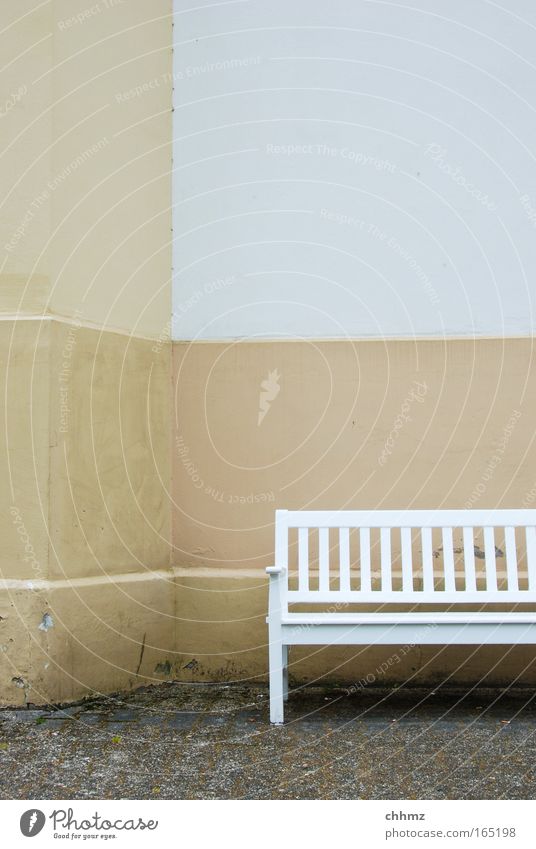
[(87, 601), (106, 636), (110, 453), (355, 424), (367, 424), (222, 636), (24, 376), (110, 447)]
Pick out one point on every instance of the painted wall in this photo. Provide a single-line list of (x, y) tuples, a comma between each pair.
[(92, 599), (354, 169), (363, 425), (85, 303), (354, 254)]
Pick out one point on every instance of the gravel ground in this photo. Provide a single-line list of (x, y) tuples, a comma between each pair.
[(186, 741)]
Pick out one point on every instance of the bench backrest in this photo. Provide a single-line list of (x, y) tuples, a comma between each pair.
[(389, 556)]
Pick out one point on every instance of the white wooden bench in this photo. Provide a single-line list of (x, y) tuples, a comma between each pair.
[(330, 562)]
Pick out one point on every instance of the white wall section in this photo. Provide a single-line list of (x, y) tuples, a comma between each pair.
[(354, 168)]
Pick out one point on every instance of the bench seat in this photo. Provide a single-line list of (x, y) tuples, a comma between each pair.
[(389, 559)]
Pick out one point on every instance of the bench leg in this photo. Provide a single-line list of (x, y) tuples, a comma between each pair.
[(276, 682), (285, 673)]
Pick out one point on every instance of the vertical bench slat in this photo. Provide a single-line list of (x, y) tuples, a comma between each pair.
[(511, 559), (364, 549), (427, 560), (531, 556), (491, 563), (323, 559), (344, 559), (385, 555), (469, 559), (303, 559), (407, 560), (448, 559)]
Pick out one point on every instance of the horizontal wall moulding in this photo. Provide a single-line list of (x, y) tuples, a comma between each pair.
[(439, 337), (256, 340), (15, 585), (77, 322)]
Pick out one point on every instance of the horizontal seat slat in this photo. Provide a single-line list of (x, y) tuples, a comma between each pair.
[(447, 617), (408, 633)]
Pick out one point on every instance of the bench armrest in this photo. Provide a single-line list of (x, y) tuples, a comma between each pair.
[(275, 570)]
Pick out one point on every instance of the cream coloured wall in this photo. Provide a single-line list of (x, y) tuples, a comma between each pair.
[(110, 243), (85, 228), (26, 122)]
